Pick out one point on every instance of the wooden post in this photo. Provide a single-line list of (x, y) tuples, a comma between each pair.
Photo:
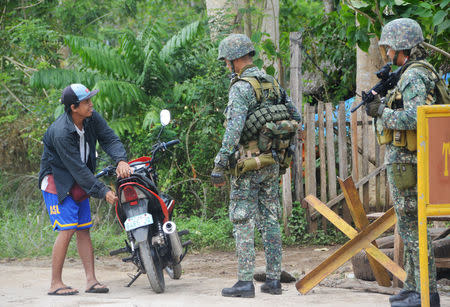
[(296, 87), (398, 255), (365, 158), (377, 179), (342, 150), (354, 136), (287, 200), (331, 158), (310, 159), (323, 159)]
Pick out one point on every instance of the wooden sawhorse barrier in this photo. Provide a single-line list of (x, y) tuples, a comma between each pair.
[(363, 238)]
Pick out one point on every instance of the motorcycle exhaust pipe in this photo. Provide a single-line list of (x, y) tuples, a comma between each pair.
[(170, 229)]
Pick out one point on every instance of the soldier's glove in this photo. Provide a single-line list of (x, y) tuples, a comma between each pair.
[(218, 175), (375, 107)]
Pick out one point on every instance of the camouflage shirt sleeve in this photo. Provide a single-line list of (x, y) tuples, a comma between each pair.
[(414, 93), (239, 98), (291, 107)]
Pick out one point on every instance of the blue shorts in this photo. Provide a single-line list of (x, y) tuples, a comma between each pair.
[(69, 214)]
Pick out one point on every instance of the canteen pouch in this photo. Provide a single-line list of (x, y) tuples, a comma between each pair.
[(252, 164), (405, 175)]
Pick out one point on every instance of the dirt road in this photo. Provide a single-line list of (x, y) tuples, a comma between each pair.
[(25, 283)]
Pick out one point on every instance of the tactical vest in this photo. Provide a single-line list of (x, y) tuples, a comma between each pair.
[(408, 138), (270, 106)]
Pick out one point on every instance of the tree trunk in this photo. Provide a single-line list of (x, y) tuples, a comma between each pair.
[(222, 15), (329, 6), (270, 25), (366, 64)]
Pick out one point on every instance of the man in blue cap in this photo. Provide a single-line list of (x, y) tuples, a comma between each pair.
[(67, 179)]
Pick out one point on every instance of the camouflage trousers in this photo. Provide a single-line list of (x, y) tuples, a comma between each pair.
[(405, 205), (254, 201)]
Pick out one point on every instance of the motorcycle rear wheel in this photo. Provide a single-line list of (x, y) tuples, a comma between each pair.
[(152, 267), (174, 271)]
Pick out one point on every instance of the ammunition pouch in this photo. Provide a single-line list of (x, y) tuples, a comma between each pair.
[(250, 158), (399, 138), (404, 175), (260, 117)]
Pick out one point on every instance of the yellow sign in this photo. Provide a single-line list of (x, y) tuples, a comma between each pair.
[(433, 180)]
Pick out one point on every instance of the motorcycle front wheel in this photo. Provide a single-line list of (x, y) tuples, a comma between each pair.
[(152, 267), (174, 271)]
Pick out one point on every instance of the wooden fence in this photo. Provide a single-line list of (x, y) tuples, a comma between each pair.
[(334, 144)]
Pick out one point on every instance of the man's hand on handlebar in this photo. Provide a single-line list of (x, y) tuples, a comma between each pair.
[(111, 197), (123, 170)]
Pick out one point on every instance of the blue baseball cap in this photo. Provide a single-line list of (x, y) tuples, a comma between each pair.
[(75, 93)]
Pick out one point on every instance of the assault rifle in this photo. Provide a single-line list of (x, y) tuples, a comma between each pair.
[(388, 81)]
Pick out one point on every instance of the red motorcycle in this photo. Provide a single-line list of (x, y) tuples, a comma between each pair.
[(145, 214)]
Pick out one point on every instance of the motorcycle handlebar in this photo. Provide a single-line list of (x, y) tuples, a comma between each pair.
[(109, 170), (163, 146)]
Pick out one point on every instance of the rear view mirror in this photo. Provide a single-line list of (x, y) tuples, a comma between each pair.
[(164, 117)]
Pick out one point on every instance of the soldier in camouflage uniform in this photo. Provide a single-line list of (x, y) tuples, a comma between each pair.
[(402, 37), (254, 196)]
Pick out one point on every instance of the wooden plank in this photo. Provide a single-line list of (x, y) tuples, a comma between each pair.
[(398, 255), (310, 151), (331, 158), (308, 180), (348, 250), (387, 192), (296, 87), (342, 151), (323, 158), (378, 205), (361, 222), (351, 233), (287, 200), (354, 140), (340, 197), (442, 263), (365, 160)]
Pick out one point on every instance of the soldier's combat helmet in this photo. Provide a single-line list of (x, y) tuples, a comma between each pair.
[(234, 47), (401, 34)]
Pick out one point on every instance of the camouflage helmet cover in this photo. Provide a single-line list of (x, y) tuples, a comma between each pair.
[(401, 34), (234, 47)]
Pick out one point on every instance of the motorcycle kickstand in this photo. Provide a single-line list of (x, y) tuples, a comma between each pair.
[(133, 279)]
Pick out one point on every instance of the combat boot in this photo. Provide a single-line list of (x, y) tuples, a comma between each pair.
[(413, 300), (240, 289), (400, 296), (272, 286)]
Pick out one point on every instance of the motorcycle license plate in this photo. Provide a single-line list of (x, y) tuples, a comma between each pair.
[(138, 221)]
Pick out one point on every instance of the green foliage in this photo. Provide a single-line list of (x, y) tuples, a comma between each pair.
[(372, 15), (215, 233), (298, 227), (324, 44)]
